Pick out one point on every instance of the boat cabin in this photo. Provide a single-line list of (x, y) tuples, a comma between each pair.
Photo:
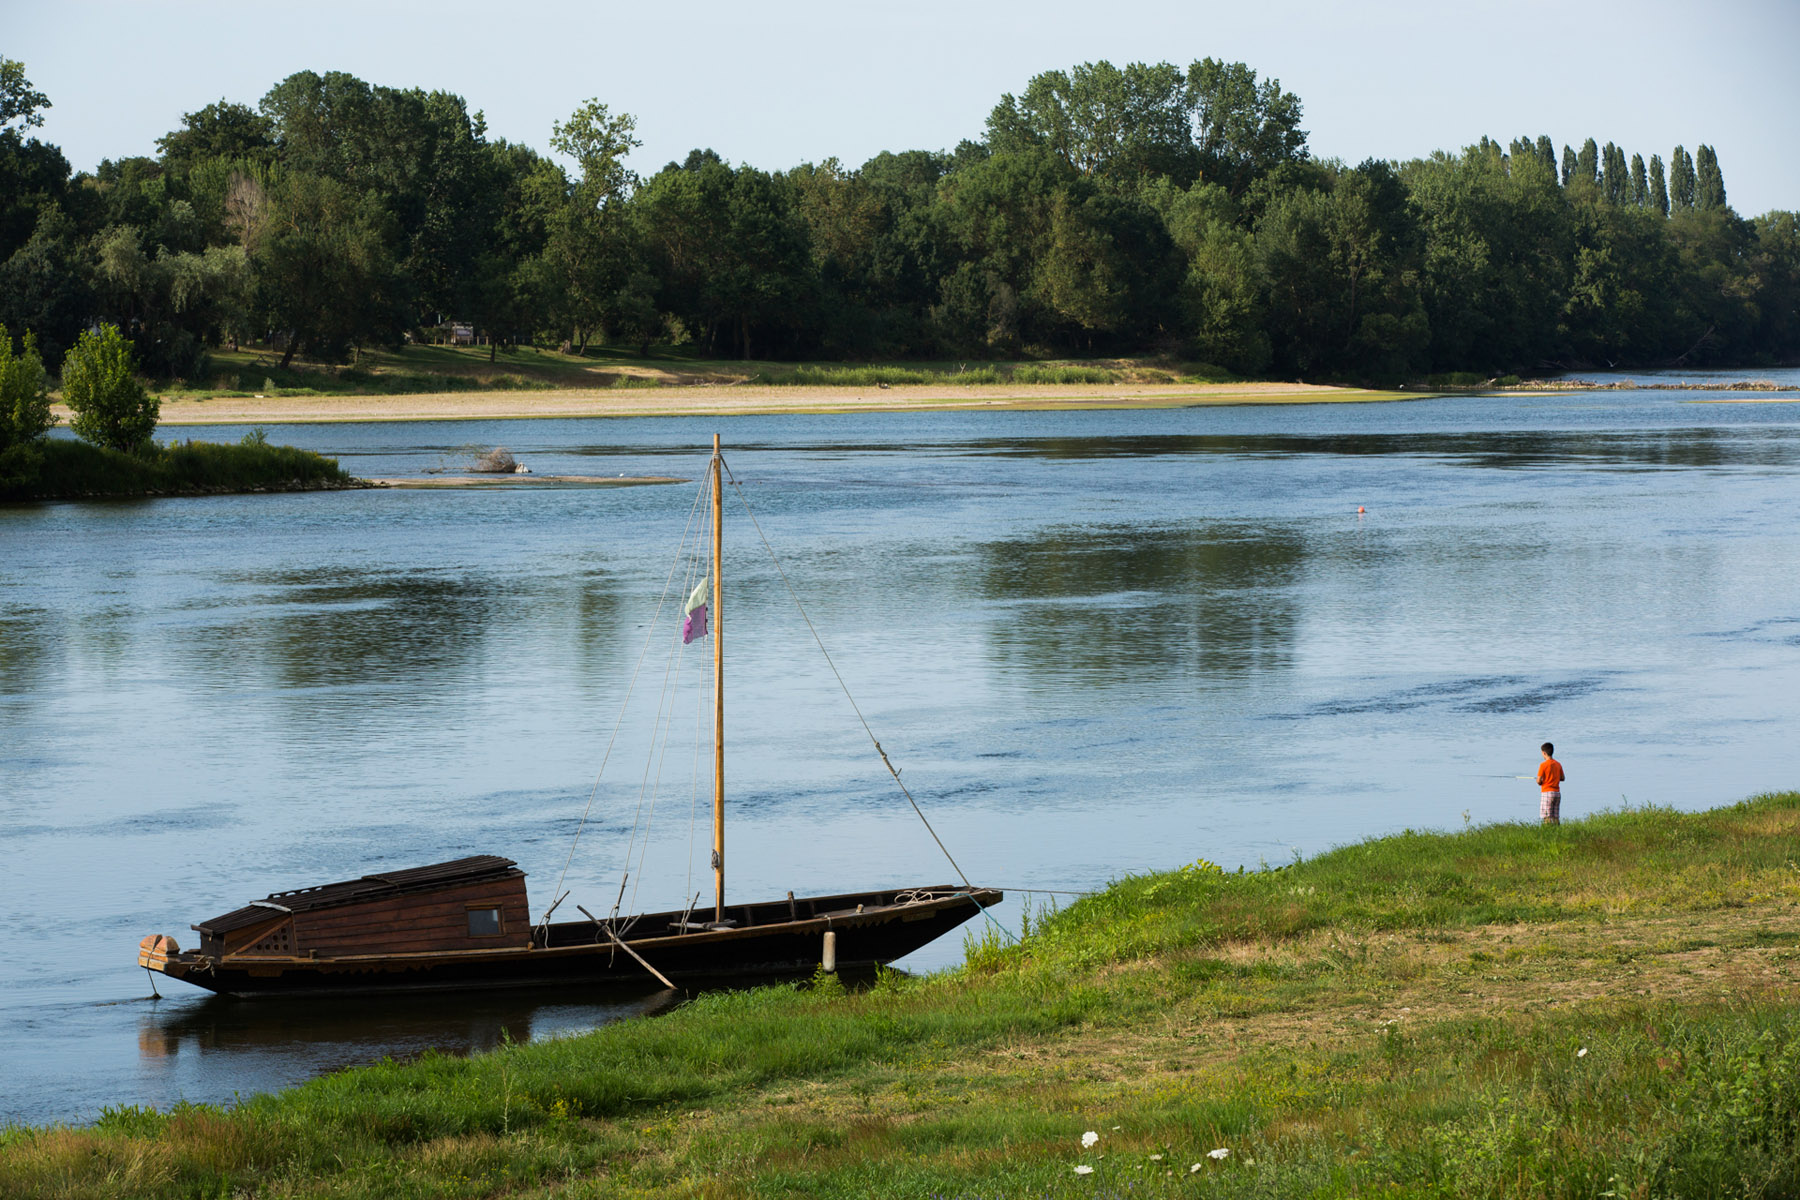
[(473, 903)]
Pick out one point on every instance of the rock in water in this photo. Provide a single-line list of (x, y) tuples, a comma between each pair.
[(498, 461)]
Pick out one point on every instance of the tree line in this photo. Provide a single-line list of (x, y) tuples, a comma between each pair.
[(1104, 210)]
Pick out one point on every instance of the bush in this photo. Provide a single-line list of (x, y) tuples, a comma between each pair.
[(100, 386), (24, 400)]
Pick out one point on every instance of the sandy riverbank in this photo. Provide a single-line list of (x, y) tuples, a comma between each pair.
[(492, 481), (737, 400)]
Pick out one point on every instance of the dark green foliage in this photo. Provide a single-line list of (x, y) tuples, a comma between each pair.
[(1123, 125), (19, 101), (1776, 266), (1681, 181), (1214, 122), (1615, 178), (44, 285), (24, 410), (1244, 130), (69, 469), (1709, 182), (101, 388), (24, 398), (1546, 153), (234, 132), (34, 180), (1109, 211), (1587, 165)]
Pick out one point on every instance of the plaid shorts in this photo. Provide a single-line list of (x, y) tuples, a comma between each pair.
[(1550, 806)]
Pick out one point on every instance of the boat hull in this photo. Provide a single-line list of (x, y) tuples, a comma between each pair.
[(872, 929)]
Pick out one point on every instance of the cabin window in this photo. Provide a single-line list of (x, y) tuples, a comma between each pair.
[(484, 922)]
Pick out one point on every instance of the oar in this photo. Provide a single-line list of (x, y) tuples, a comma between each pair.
[(1467, 775), (627, 949)]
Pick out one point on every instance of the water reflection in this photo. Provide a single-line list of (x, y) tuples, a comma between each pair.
[(26, 640), (1111, 605), (325, 627), (279, 1041), (1516, 449)]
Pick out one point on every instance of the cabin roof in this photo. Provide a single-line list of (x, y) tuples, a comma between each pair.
[(474, 869)]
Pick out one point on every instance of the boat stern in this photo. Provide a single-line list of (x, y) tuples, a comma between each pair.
[(161, 954)]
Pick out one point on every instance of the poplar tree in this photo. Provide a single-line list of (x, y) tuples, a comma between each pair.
[(1709, 183), (1587, 163), (1640, 183), (1681, 181), (1568, 166), (1615, 185), (1659, 190), (1546, 153)]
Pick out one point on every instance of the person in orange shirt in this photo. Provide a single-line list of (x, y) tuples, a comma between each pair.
[(1550, 776)]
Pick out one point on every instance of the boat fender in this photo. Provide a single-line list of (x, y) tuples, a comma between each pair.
[(828, 959)]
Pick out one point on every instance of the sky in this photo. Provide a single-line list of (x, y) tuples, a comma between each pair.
[(790, 81)]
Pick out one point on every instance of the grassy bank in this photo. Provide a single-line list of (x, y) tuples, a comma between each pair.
[(60, 468), (1601, 1008)]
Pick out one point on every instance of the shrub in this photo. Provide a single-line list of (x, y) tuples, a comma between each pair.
[(24, 400), (100, 386)]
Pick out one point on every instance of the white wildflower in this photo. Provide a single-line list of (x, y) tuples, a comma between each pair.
[(1581, 1053), (1195, 1167), (1088, 1139), (1156, 1158), (1084, 1170), (1221, 1152)]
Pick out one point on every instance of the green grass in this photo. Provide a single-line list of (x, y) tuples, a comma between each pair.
[(61, 468), (1403, 1016)]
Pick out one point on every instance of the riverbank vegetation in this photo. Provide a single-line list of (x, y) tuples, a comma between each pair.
[(115, 416), (1601, 1008), (335, 216), (65, 469)]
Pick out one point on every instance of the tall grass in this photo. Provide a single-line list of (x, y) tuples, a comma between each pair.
[(69, 469)]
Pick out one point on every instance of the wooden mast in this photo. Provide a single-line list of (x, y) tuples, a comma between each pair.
[(718, 633)]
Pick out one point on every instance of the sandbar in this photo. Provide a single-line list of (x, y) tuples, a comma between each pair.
[(490, 481), (740, 400)]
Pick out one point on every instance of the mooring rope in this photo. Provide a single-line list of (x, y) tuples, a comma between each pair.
[(854, 707)]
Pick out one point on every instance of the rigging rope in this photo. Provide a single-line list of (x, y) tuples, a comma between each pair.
[(625, 703), (671, 689), (854, 707)]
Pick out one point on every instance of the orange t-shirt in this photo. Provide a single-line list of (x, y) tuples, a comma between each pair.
[(1550, 775)]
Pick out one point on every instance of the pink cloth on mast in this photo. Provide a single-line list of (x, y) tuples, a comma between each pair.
[(695, 624)]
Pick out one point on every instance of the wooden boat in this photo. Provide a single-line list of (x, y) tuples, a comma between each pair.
[(467, 924)]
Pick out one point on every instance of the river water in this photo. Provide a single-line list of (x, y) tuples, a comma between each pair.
[(1095, 642)]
